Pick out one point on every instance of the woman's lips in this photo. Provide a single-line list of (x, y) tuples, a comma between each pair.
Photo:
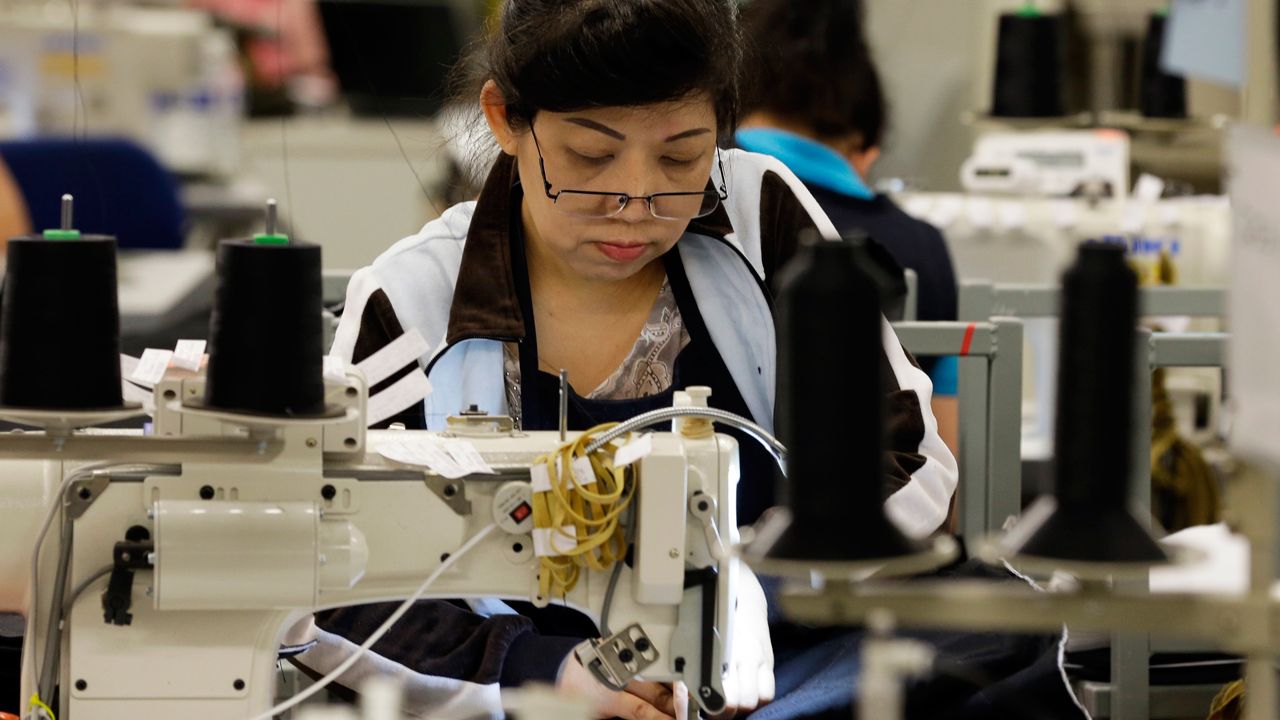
[(619, 252)]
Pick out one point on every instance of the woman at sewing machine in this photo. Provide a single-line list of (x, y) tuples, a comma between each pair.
[(615, 240)]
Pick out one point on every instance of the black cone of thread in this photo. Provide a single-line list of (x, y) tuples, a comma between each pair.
[(1162, 95), (265, 335), (1094, 447), (831, 408), (1028, 67), (60, 325)]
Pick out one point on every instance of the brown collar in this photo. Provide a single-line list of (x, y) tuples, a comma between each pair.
[(486, 302)]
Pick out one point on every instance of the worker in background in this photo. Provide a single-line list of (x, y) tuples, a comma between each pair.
[(14, 220), (614, 239), (814, 101)]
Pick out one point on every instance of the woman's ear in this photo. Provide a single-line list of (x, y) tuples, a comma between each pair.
[(494, 105)]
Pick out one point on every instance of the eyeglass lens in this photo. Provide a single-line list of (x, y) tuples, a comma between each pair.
[(679, 206)]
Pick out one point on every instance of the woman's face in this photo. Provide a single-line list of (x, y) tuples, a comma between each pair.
[(637, 151)]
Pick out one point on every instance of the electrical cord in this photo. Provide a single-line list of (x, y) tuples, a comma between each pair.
[(382, 629), (765, 438), (98, 574), (613, 577), (38, 706)]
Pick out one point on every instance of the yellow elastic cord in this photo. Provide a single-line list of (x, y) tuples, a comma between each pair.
[(593, 514), (37, 702)]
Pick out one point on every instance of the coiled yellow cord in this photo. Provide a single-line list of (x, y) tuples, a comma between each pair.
[(571, 509)]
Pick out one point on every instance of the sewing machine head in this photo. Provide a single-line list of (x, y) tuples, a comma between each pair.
[(215, 558)]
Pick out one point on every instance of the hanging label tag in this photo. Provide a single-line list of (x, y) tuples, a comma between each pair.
[(128, 364), (583, 472), (633, 450), (403, 393), (151, 367), (466, 455), (335, 370), (189, 354), (1149, 188), (539, 478), (548, 542), (133, 393), (426, 454), (399, 352)]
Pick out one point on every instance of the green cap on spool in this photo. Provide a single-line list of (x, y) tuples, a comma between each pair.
[(65, 232), (271, 237), (1029, 10)]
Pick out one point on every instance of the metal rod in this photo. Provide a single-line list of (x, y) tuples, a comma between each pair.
[(564, 403), (271, 216), (67, 209)]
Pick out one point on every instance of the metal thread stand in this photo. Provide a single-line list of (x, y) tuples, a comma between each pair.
[(1130, 692), (990, 399)]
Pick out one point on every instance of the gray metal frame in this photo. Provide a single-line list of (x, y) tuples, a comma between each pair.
[(990, 398), (1129, 695), (981, 299)]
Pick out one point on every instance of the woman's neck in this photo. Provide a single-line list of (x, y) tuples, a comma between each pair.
[(556, 288)]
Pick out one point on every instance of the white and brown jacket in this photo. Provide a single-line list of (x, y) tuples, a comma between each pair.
[(454, 282)]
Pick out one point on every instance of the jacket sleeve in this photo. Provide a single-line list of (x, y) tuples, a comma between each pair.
[(439, 639), (920, 472), (368, 323), (435, 638)]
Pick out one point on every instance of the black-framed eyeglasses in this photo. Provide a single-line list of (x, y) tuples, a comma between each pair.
[(664, 206)]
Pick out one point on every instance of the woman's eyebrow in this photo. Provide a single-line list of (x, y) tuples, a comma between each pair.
[(687, 134), (593, 125)]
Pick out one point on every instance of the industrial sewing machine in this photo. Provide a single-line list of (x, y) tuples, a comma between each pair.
[(247, 525)]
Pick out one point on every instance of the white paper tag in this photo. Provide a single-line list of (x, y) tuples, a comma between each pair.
[(1064, 214), (1254, 300), (466, 455), (133, 393), (404, 392), (1148, 189), (335, 370), (979, 211), (395, 355), (583, 472), (426, 454), (540, 478), (633, 450), (151, 367), (547, 542), (1013, 215), (188, 354), (128, 364)]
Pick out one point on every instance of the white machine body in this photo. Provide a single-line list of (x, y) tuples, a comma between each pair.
[(247, 545), (1050, 163)]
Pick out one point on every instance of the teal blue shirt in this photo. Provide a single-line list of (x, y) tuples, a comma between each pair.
[(818, 164), (813, 162)]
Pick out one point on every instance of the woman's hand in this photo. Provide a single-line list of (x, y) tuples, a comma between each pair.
[(640, 701), (749, 682)]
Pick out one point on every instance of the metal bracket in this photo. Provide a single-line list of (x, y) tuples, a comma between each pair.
[(452, 492), (475, 422), (82, 493), (117, 599), (615, 660)]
